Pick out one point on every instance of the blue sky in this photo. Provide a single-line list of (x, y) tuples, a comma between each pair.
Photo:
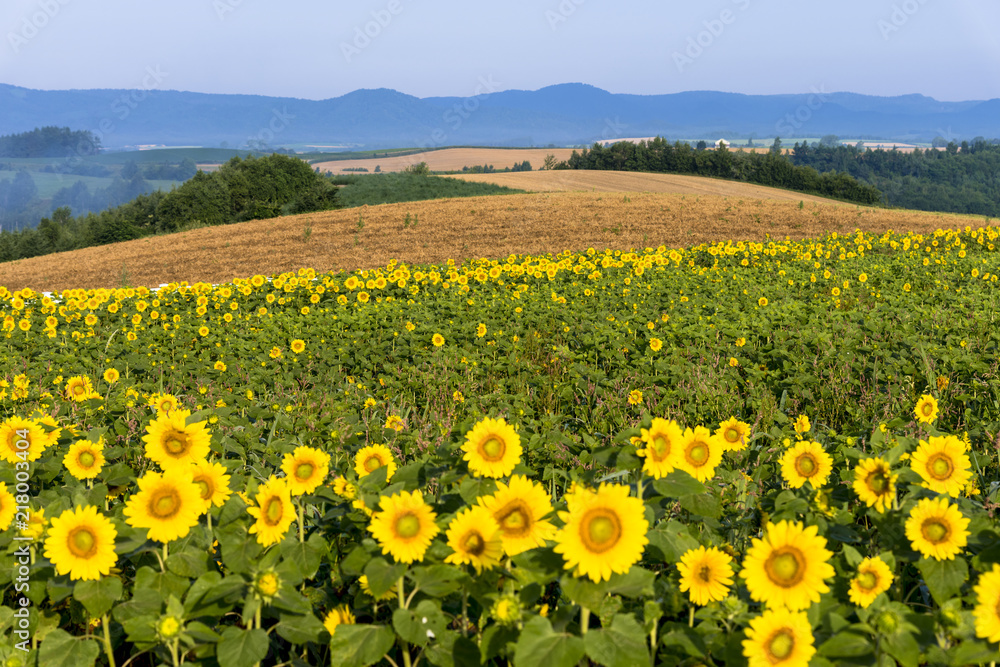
[(318, 49)]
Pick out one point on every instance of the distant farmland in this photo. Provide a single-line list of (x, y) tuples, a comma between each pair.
[(451, 159)]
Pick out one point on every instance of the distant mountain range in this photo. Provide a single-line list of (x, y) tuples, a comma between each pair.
[(565, 114)]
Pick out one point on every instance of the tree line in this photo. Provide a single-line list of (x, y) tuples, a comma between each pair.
[(771, 169), (240, 190), (962, 178), (50, 141)]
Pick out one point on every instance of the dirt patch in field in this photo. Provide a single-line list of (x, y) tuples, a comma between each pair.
[(475, 227), (572, 180), (452, 159)]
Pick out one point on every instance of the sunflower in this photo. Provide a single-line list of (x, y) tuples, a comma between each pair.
[(297, 346), (305, 469), (274, 511), (519, 508), (937, 529), (212, 481), (926, 409), (806, 462), (492, 448), (85, 459), (344, 488), (437, 339), (341, 615), (164, 403), (81, 543), (942, 463), (734, 434), (802, 424), (17, 431), (605, 532), (168, 504), (111, 375), (373, 457), (405, 527), (699, 453), (8, 507), (779, 637), (474, 536), (787, 568), (987, 610), (663, 446), (79, 388), (706, 574), (172, 442), (36, 524), (875, 484), (873, 578), (366, 589)]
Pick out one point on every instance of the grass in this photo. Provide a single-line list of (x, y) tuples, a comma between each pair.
[(372, 189)]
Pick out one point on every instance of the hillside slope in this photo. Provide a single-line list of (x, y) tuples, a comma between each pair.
[(575, 180), (459, 229)]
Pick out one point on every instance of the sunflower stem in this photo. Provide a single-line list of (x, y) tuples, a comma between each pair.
[(691, 617), (302, 521), (107, 641), (166, 553), (584, 620), (465, 613), (402, 596)]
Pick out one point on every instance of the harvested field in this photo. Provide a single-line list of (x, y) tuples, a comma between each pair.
[(452, 159), (572, 180), (473, 227)]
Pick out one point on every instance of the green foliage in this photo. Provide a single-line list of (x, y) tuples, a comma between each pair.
[(50, 141), (389, 188)]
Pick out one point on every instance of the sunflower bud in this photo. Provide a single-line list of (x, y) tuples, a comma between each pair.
[(168, 627), (267, 585), (887, 622), (506, 610)]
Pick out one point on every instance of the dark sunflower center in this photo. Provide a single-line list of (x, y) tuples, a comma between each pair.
[(304, 470), (867, 580), (514, 519), (372, 463), (927, 409), (474, 543), (204, 488), (165, 504), (697, 454), (705, 573), (82, 542), (806, 465), (407, 526), (87, 459), (935, 531), (732, 435), (175, 444), (781, 645), (600, 530), (493, 449), (940, 466), (273, 509), (785, 567), (877, 482), (78, 389), (661, 447)]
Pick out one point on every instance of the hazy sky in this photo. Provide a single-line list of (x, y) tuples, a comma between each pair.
[(316, 49)]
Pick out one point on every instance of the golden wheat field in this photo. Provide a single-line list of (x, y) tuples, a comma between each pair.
[(571, 180), (474, 227), (451, 159)]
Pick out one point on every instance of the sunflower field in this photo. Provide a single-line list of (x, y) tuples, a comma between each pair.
[(740, 453)]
